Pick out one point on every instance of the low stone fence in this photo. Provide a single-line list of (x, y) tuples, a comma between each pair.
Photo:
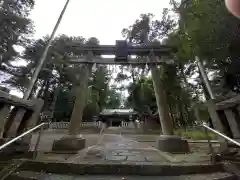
[(98, 124), (65, 125), (130, 124)]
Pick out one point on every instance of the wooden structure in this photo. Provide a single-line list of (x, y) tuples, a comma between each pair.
[(115, 117), (17, 115), (226, 116)]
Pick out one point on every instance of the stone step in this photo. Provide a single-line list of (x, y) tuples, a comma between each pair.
[(120, 168), (230, 158), (26, 175), (9, 169)]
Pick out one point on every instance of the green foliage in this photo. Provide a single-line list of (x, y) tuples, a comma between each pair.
[(195, 135), (141, 91), (65, 101), (15, 27), (142, 97), (113, 99), (64, 105), (208, 30)]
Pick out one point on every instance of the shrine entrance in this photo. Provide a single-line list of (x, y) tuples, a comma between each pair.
[(152, 55)]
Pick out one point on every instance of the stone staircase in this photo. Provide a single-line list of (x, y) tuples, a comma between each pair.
[(231, 159), (44, 176), (31, 170), (232, 154), (115, 157)]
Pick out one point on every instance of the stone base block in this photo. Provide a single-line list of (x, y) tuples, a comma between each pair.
[(172, 144), (69, 144)]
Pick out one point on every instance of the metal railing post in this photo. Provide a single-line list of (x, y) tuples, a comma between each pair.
[(35, 152), (222, 135), (219, 134), (211, 149)]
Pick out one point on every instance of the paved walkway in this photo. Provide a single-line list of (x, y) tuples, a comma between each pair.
[(115, 148)]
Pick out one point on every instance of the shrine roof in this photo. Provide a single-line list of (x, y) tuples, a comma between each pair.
[(117, 111)]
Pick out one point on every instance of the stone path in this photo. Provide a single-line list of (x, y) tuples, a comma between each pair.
[(121, 154), (115, 148)]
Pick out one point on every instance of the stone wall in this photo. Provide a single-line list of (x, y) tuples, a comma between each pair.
[(65, 125)]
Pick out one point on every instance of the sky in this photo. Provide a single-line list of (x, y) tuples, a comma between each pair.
[(103, 19)]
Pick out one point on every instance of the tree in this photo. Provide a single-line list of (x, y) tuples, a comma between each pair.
[(142, 97), (208, 30), (170, 76), (100, 96), (55, 72), (113, 99), (15, 27)]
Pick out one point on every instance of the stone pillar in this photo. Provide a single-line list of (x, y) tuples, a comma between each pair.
[(214, 116), (163, 109), (80, 101), (73, 141), (212, 110), (167, 142), (32, 120), (234, 126), (14, 121), (4, 113)]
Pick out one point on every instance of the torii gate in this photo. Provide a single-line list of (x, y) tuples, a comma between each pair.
[(153, 55)]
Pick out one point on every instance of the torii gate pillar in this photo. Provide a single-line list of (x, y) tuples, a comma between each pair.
[(73, 141), (167, 142)]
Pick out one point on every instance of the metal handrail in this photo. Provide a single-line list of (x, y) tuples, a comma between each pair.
[(222, 135), (20, 136)]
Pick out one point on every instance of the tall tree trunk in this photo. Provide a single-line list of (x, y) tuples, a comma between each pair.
[(56, 93), (55, 97), (46, 95)]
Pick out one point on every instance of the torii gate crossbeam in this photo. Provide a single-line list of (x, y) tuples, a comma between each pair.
[(138, 50)]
